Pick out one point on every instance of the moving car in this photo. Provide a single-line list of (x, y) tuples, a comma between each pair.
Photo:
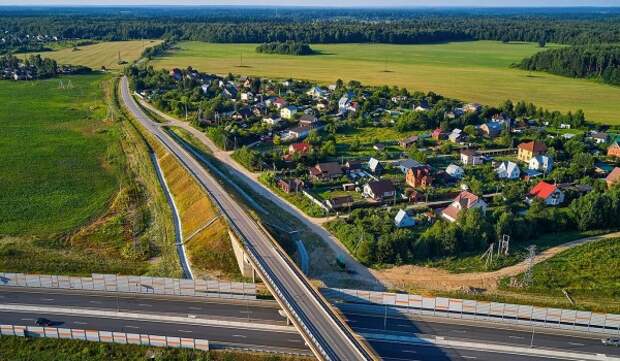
[(44, 322), (611, 341)]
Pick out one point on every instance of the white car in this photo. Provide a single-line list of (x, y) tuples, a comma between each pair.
[(611, 342)]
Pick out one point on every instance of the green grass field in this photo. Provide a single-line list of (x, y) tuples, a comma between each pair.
[(472, 71), (102, 54), (55, 175)]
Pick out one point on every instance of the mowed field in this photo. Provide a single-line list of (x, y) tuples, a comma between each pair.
[(54, 174), (102, 54), (472, 71)]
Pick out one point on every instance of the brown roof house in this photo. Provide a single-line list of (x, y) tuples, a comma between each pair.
[(527, 151), (613, 178), (471, 157), (419, 177), (380, 190), (326, 171), (614, 150), (340, 202), (463, 201), (291, 185)]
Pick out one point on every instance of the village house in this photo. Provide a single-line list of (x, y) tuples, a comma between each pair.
[(614, 150), (308, 120), (456, 136), (599, 137), (379, 147), (353, 166), (288, 112), (419, 177), (403, 219), (375, 166), (527, 151), (541, 163), (438, 134), (279, 103), (508, 170), (380, 190), (613, 178), (326, 171), (455, 171), (550, 194), (472, 107), (409, 141), (491, 129), (471, 157), (317, 93), (298, 133), (465, 200), (322, 105), (405, 164), (340, 202), (299, 148), (272, 120), (291, 185)]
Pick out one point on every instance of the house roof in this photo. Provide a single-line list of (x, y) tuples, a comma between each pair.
[(453, 169), (401, 216), (614, 176), (373, 163), (409, 163), (543, 190), (307, 118), (411, 139), (340, 200), (615, 145), (534, 146), (330, 168), (469, 152), (466, 199), (381, 187), (300, 147)]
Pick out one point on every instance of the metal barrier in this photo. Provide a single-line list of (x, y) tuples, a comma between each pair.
[(584, 321), (134, 284), (105, 336)]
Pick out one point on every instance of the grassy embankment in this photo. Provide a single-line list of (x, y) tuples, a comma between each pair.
[(76, 197), (210, 251), (472, 71), (26, 349), (102, 54)]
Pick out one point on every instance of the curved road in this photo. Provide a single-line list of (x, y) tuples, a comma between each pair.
[(327, 335)]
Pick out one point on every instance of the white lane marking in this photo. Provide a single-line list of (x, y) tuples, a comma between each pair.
[(403, 325), (245, 311), (94, 301), (409, 351), (80, 323), (576, 344), (195, 308), (516, 337), (144, 305), (469, 357), (27, 319), (352, 321), (241, 336), (184, 331), (136, 327), (1, 296), (296, 341), (458, 331), (47, 299)]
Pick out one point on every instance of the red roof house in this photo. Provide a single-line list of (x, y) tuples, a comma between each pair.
[(549, 193), (613, 178), (465, 200)]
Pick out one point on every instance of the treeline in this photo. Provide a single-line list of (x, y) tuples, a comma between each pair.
[(326, 26), (34, 66), (285, 48), (594, 61)]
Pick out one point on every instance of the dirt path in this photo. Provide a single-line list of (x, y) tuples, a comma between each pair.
[(442, 280)]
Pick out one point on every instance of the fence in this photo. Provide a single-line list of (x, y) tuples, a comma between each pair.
[(134, 284), (105, 336), (485, 311)]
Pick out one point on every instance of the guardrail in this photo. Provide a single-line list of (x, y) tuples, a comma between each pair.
[(583, 321), (134, 284), (105, 336)]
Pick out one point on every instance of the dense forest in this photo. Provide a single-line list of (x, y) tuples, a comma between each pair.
[(33, 28), (285, 48), (594, 61)]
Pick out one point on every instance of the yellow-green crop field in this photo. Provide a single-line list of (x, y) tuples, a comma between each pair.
[(472, 71), (102, 54)]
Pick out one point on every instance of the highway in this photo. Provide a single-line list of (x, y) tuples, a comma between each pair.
[(363, 320), (328, 337)]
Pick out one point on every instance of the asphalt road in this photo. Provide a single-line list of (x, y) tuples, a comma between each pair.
[(362, 318), (330, 334)]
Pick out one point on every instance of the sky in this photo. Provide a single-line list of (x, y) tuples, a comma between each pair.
[(332, 3)]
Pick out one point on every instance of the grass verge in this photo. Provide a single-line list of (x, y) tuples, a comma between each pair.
[(27, 349)]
